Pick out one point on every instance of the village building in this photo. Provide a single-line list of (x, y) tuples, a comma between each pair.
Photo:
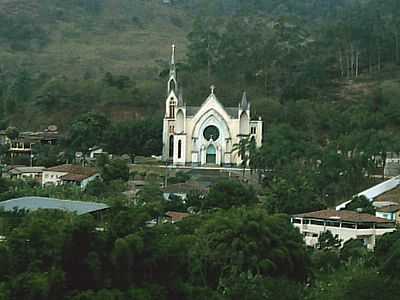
[(205, 135), (389, 212), (69, 174), (345, 225), (26, 173), (22, 145)]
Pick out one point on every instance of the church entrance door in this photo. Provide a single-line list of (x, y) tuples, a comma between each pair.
[(211, 156)]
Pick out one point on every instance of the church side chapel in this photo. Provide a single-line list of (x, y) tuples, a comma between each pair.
[(205, 135)]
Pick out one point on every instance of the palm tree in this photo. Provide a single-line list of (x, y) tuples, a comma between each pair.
[(242, 148)]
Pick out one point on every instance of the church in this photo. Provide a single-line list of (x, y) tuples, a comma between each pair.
[(205, 135)]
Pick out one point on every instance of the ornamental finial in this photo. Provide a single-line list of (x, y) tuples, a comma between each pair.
[(212, 88)]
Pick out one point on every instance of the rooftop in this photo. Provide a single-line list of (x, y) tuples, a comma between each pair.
[(74, 169), (389, 208), (176, 216), (342, 215), (390, 196), (35, 203), (231, 111), (20, 170)]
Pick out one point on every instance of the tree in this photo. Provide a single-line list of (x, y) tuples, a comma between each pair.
[(229, 193), (87, 131), (361, 204), (12, 133), (326, 241), (242, 149), (115, 169), (238, 241), (292, 195)]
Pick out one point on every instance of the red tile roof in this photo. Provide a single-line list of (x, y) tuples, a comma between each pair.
[(343, 215), (176, 216)]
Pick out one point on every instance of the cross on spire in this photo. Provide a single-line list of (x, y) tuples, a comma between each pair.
[(212, 88)]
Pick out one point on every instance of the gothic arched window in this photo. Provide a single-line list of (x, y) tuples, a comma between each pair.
[(172, 109), (179, 149)]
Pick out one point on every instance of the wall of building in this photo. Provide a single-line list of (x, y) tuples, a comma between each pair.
[(344, 234), (51, 177)]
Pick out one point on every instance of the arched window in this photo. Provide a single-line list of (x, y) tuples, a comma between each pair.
[(171, 146), (179, 149), (172, 109), (172, 85)]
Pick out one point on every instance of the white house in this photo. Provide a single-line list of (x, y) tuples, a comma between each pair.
[(344, 224), (69, 174), (206, 134), (22, 172)]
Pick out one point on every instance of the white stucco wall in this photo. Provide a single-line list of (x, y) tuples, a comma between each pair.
[(344, 234), (51, 177), (189, 130)]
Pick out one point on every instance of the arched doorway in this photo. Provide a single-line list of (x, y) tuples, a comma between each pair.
[(211, 155)]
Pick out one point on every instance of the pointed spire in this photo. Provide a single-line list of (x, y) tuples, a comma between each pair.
[(244, 104), (172, 65), (172, 81)]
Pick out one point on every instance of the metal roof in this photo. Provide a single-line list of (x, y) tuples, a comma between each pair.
[(34, 203)]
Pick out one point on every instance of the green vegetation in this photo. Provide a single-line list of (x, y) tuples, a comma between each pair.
[(233, 249), (321, 73)]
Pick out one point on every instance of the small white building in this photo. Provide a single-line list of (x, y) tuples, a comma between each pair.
[(24, 173), (69, 174), (343, 224)]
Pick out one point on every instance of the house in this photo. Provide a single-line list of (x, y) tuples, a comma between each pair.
[(22, 145), (389, 212), (21, 172), (69, 174), (343, 224)]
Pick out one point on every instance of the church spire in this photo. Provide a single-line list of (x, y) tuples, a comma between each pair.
[(172, 81), (172, 65)]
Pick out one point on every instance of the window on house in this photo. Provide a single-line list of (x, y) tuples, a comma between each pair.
[(348, 225), (253, 130), (316, 222)]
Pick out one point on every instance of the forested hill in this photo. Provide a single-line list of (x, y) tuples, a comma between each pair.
[(59, 59)]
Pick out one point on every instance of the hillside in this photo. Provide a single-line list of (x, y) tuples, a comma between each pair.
[(124, 37), (60, 59)]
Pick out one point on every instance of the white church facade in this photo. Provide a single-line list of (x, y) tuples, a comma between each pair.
[(205, 135)]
